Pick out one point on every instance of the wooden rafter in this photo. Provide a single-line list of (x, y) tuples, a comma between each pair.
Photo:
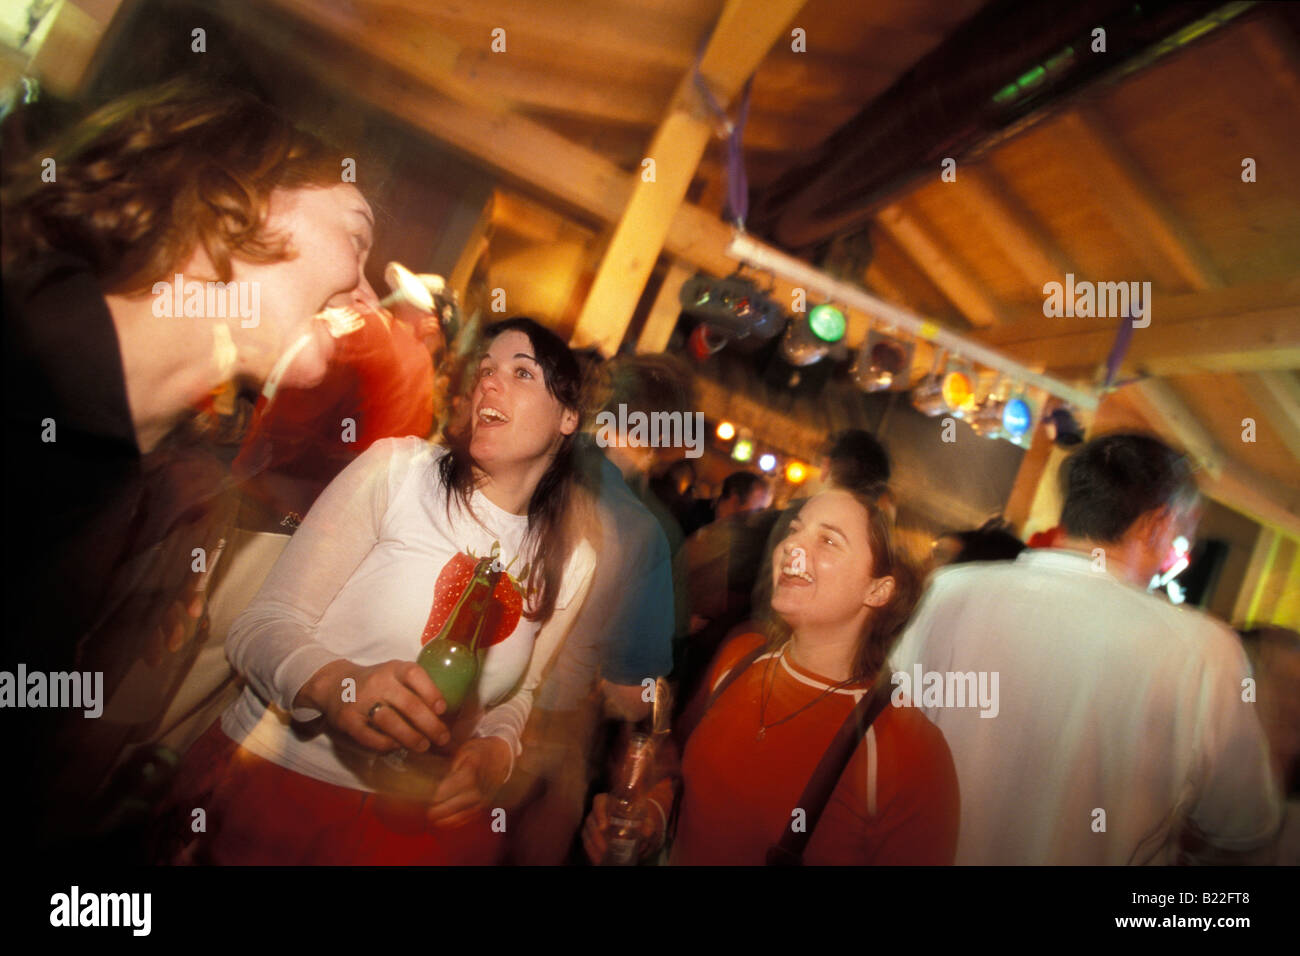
[(1020, 237), (1127, 194), (744, 33), (1246, 328), (928, 251)]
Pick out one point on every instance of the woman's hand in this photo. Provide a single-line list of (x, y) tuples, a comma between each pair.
[(396, 704), (477, 773), (593, 831)]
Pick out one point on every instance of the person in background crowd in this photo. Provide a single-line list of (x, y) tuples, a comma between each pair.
[(379, 384), (743, 491), (1119, 717), (1274, 654), (722, 560), (676, 489), (623, 635), (842, 594), (386, 560), (991, 541), (120, 498)]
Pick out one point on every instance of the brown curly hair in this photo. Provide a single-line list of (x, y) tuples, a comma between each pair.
[(144, 181)]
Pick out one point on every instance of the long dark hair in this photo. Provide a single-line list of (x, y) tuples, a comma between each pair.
[(551, 535)]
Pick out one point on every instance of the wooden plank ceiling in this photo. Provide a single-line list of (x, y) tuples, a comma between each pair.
[(1138, 179)]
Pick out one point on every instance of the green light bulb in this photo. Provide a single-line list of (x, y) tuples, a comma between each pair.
[(827, 323)]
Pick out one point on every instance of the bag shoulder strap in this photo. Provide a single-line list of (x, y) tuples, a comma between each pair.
[(817, 794), (736, 670)]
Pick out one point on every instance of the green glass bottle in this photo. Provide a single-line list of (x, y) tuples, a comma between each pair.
[(451, 659)]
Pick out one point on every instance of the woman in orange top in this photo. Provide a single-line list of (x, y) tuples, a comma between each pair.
[(842, 595)]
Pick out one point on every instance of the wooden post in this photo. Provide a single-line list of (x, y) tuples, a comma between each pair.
[(740, 41), (662, 319)]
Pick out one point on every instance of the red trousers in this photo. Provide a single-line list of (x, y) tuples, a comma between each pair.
[(258, 813)]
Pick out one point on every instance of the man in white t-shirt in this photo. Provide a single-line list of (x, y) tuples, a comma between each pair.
[(1091, 722)]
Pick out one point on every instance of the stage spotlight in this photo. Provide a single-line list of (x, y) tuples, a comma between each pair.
[(704, 342), (1016, 418), (726, 431), (796, 473), (986, 420), (827, 323), (881, 362), (767, 461), (734, 309), (742, 450), (958, 392), (927, 397)]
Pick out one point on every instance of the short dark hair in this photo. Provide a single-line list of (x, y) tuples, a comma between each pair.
[(650, 383), (992, 541), (1111, 481), (858, 461), (741, 485)]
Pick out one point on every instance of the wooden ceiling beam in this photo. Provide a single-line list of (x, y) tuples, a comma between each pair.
[(930, 254), (667, 41), (1248, 328), (1022, 239), (1224, 479), (514, 146), (538, 87), (744, 33), (661, 321), (1130, 198), (1278, 394)]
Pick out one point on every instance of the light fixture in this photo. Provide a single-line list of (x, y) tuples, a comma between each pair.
[(1016, 418), (986, 420), (742, 450), (958, 389), (827, 323), (796, 473), (882, 362), (801, 347), (951, 393), (704, 342), (726, 431), (767, 461), (745, 248), (734, 309), (927, 397)]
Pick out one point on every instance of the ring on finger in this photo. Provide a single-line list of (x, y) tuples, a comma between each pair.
[(374, 709)]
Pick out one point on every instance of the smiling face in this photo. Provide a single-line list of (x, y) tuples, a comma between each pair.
[(330, 231), (823, 570), (515, 420)]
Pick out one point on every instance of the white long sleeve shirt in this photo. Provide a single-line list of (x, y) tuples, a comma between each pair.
[(1109, 700), (357, 581)]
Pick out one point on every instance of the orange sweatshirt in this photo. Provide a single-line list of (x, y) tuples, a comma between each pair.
[(896, 803)]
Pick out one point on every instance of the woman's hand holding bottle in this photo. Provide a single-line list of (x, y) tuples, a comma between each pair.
[(394, 704)]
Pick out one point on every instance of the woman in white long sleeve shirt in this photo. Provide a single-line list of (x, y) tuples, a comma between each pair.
[(294, 771)]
